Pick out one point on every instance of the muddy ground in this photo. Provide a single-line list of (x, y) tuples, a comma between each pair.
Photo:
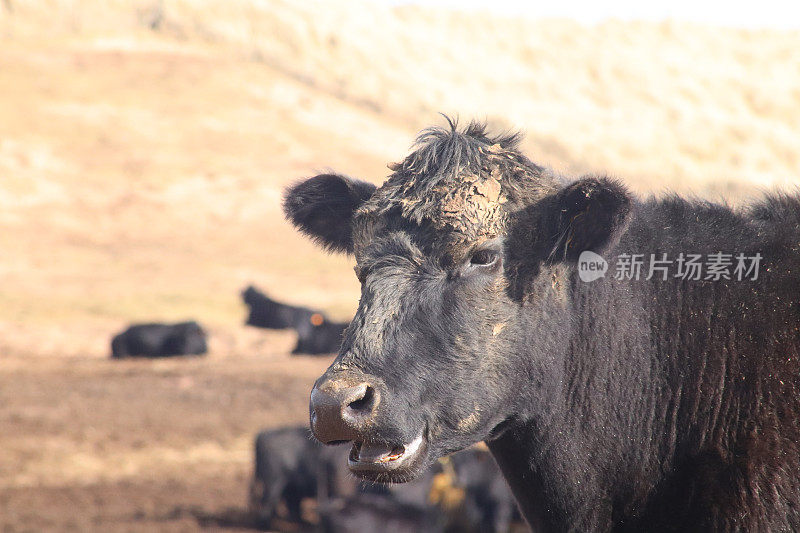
[(95, 444)]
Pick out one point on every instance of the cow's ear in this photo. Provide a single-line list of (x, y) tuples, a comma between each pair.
[(322, 207), (590, 214)]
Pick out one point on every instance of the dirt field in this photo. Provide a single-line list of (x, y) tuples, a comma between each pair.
[(143, 150), (90, 443)]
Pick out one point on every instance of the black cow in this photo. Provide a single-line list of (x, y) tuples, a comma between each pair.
[(316, 333), (160, 340), (488, 505), (267, 313), (288, 463), (323, 338), (667, 401)]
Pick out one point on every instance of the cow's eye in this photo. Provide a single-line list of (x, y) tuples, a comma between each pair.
[(484, 258)]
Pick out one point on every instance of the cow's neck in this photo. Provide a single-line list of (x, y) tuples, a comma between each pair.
[(518, 466), (561, 460), (551, 480)]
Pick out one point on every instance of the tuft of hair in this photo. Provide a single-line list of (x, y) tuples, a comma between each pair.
[(778, 207), (443, 152)]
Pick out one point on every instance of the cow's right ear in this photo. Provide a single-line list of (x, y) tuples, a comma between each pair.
[(322, 207), (590, 214)]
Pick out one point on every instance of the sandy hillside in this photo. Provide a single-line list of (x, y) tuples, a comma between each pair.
[(143, 150)]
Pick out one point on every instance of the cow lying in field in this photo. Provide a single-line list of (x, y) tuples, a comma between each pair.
[(160, 340), (653, 402), (316, 333), (469, 495), (264, 312)]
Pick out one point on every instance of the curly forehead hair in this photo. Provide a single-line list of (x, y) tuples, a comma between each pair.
[(444, 153), (457, 179)]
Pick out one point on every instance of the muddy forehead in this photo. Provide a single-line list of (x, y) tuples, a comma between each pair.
[(456, 189), (446, 220), (467, 199), (473, 206)]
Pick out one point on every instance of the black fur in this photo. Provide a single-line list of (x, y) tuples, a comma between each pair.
[(590, 215), (445, 153), (311, 204), (615, 405)]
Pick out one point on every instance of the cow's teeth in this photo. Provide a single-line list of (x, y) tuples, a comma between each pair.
[(378, 453)]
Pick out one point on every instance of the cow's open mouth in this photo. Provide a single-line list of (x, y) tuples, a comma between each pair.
[(377, 461)]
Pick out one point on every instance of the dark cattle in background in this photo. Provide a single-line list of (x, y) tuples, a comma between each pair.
[(160, 340), (374, 513), (267, 313), (488, 505), (323, 338), (622, 404), (291, 466), (316, 333), (468, 492), (287, 466)]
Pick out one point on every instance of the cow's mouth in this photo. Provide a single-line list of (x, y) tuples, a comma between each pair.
[(387, 462)]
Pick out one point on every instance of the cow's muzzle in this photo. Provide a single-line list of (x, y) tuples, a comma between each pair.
[(345, 408)]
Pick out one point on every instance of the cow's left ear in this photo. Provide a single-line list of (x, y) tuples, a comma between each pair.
[(322, 207), (590, 214)]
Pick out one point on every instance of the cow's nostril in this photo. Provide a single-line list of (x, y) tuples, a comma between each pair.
[(360, 405), (365, 402)]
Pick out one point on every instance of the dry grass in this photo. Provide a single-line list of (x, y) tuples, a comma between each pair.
[(144, 147)]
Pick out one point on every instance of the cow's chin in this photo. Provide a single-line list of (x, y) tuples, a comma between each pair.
[(384, 463)]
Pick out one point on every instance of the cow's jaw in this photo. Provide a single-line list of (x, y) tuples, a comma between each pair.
[(387, 462)]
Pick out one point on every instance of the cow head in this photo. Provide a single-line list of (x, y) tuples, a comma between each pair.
[(465, 256)]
